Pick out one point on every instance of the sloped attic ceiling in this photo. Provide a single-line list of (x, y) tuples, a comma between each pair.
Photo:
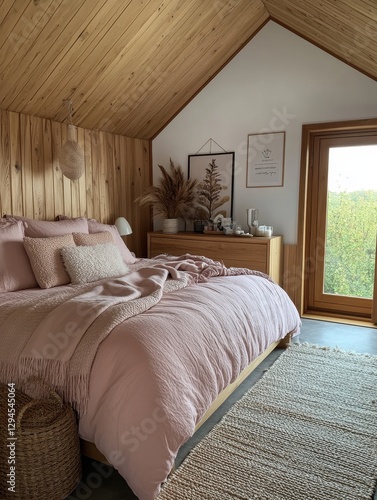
[(131, 66)]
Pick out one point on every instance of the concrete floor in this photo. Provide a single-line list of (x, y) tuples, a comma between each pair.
[(100, 482)]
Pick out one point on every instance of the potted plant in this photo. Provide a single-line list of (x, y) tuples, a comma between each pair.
[(173, 197)]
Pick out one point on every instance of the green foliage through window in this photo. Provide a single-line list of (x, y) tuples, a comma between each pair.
[(350, 243)]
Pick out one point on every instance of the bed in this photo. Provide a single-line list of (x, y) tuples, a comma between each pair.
[(143, 356)]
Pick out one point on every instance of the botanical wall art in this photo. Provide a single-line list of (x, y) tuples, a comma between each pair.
[(214, 173)]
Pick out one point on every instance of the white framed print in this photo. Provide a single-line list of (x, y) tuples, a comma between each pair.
[(265, 159)]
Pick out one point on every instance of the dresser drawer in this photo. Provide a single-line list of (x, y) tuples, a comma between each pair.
[(260, 254)]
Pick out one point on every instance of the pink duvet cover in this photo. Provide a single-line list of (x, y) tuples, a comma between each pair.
[(156, 374)]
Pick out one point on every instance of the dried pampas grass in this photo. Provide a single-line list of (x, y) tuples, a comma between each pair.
[(173, 196)]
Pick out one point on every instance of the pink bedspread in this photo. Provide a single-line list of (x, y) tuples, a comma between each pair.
[(156, 374)]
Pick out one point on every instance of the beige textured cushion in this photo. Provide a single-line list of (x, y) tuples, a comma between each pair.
[(46, 261), (92, 239), (92, 263)]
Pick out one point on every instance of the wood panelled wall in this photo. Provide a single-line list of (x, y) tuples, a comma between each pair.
[(117, 170), (292, 275)]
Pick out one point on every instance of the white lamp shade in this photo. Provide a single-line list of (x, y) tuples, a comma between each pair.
[(123, 226)]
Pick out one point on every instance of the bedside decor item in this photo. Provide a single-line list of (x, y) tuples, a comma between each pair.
[(265, 231), (47, 449), (71, 157), (123, 226), (214, 173), (199, 225), (227, 225), (170, 226), (252, 220), (265, 159), (173, 197)]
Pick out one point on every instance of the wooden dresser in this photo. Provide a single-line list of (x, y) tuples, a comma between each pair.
[(258, 253)]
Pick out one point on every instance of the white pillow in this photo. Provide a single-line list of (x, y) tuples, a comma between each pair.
[(92, 263)]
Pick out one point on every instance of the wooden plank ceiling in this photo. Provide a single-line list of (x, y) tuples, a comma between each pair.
[(130, 66)]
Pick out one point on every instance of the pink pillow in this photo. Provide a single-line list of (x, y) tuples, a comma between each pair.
[(45, 228), (65, 217), (46, 261), (83, 239), (97, 227), (15, 270)]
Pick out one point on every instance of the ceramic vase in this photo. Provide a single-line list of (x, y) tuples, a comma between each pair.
[(170, 226), (252, 220)]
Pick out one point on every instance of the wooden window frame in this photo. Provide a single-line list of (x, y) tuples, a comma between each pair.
[(309, 133)]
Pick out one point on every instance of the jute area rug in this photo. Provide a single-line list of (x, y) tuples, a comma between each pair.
[(306, 430)]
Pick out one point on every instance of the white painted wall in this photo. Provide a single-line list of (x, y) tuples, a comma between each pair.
[(276, 74)]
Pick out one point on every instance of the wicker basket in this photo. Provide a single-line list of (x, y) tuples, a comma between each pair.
[(47, 454)]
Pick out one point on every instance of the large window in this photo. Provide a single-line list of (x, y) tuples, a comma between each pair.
[(341, 222)]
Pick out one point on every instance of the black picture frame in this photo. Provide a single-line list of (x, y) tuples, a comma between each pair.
[(220, 166)]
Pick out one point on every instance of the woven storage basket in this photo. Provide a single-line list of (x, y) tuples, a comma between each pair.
[(48, 461)]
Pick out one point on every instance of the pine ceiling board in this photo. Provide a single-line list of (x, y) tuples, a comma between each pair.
[(356, 52), (324, 25), (179, 65), (130, 66), (5, 6), (174, 94), (151, 70), (149, 67), (10, 20), (363, 5), (361, 10), (46, 53), (93, 61), (130, 23), (23, 35), (206, 65), (76, 65), (335, 15), (354, 21), (121, 71), (25, 49)]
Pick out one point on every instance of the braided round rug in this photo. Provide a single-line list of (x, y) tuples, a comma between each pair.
[(306, 430)]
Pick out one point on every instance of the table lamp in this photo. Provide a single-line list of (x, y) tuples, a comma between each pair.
[(123, 226)]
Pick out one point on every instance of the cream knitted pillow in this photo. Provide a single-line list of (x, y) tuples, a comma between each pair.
[(85, 264)]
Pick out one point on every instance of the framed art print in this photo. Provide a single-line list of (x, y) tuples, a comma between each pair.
[(215, 183), (265, 159)]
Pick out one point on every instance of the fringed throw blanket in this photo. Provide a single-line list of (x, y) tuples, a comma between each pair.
[(56, 335)]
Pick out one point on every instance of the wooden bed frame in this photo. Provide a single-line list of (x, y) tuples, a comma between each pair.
[(90, 450)]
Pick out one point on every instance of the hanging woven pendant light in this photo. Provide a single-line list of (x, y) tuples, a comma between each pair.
[(71, 157)]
